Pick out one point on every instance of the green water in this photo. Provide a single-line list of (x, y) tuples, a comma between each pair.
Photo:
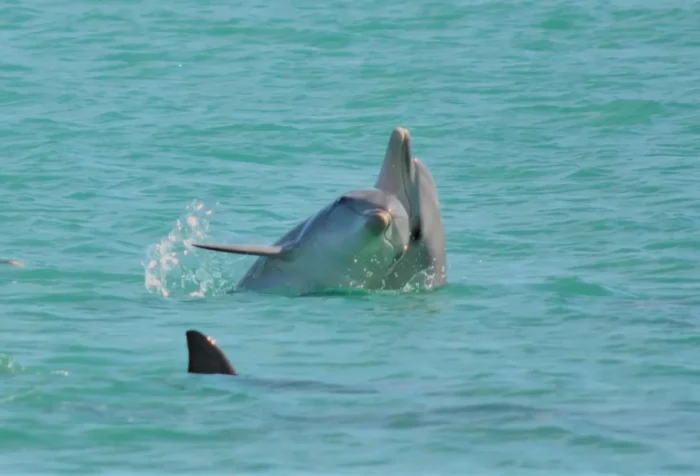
[(564, 138)]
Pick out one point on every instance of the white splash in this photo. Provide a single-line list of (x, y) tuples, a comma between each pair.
[(8, 365), (173, 267)]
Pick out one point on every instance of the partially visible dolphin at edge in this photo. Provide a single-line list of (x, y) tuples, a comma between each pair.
[(380, 238), (12, 262)]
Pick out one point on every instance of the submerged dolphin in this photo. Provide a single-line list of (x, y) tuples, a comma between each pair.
[(380, 238), (205, 357), (12, 262)]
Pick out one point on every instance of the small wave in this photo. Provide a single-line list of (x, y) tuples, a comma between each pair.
[(9, 366), (172, 268)]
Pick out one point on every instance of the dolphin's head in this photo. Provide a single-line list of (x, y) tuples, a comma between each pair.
[(358, 237)]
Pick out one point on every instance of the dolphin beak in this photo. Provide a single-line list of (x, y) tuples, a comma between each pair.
[(378, 221), (400, 142)]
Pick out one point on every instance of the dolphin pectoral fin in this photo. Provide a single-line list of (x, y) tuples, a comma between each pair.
[(255, 250), (204, 357)]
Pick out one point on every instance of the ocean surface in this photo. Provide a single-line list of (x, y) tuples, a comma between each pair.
[(564, 138)]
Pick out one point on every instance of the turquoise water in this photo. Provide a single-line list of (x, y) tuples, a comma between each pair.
[(564, 139)]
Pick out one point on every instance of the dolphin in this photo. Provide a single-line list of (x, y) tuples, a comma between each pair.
[(205, 357), (12, 262), (385, 237)]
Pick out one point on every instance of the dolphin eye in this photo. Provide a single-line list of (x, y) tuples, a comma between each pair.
[(342, 200)]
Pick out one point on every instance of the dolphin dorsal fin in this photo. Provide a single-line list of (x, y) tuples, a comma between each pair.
[(205, 357)]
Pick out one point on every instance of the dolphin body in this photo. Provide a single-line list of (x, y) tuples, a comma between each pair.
[(386, 237), (12, 262), (205, 357)]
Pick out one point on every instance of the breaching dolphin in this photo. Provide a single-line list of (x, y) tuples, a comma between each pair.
[(380, 238), (205, 357)]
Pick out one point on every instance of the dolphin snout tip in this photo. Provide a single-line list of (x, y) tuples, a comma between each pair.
[(400, 133)]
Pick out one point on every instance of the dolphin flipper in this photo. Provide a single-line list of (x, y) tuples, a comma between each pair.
[(255, 250), (205, 357)]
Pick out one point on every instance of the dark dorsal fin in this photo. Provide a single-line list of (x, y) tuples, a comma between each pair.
[(205, 357)]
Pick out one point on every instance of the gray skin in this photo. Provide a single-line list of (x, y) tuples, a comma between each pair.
[(409, 179), (205, 357), (386, 237)]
